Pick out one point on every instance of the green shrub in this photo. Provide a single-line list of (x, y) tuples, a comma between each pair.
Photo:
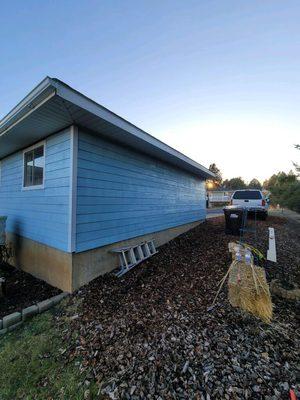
[(285, 190)]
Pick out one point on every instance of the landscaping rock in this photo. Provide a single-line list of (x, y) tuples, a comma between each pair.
[(44, 305), (11, 319), (58, 298), (292, 294), (28, 312), (15, 326)]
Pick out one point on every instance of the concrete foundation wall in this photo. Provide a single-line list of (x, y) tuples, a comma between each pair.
[(69, 271), (89, 264), (47, 263)]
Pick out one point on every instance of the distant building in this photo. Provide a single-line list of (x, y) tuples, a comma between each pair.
[(219, 196)]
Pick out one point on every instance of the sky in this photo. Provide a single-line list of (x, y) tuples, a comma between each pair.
[(217, 80)]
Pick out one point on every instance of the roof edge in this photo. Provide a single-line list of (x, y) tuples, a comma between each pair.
[(36, 95), (49, 87), (68, 93)]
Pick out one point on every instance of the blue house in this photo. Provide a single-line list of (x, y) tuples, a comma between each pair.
[(77, 181)]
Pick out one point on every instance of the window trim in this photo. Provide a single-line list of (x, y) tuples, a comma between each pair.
[(34, 187)]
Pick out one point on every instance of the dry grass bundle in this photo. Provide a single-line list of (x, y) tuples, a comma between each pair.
[(248, 289), (244, 249), (247, 285), (236, 248)]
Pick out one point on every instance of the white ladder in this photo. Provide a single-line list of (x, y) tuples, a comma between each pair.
[(133, 255)]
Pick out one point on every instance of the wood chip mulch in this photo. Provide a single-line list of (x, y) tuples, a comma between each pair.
[(153, 335)]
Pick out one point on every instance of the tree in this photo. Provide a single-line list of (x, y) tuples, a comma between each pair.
[(215, 182), (285, 190), (268, 183), (234, 183), (254, 184), (297, 166)]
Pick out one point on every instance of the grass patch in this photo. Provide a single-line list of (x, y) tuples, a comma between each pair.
[(32, 366)]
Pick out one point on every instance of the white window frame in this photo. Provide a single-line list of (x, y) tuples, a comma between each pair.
[(34, 187)]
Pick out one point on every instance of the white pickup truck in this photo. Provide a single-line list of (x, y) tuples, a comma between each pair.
[(253, 200)]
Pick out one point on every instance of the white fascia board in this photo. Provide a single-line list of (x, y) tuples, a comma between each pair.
[(38, 96)]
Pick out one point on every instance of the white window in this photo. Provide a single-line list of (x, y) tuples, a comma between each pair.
[(34, 167)]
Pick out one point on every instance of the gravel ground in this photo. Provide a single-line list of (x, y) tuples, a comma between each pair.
[(151, 334), (22, 290)]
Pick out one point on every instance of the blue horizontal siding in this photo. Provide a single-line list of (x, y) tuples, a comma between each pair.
[(42, 214), (122, 194)]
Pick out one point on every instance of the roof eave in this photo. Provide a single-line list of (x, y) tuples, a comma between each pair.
[(75, 97), (34, 99), (50, 87)]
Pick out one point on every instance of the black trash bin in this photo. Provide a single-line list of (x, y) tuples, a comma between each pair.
[(234, 217)]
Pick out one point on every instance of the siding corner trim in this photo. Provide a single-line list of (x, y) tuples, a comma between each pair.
[(73, 189)]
